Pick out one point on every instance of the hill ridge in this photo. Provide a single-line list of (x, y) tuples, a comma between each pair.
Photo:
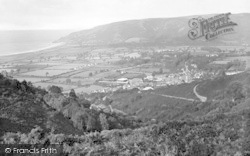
[(170, 31)]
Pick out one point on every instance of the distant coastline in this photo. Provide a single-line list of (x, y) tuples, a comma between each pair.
[(14, 42), (54, 45)]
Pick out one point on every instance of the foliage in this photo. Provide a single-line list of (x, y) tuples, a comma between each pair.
[(196, 138), (104, 122), (235, 91), (72, 93), (211, 129), (68, 80), (55, 89)]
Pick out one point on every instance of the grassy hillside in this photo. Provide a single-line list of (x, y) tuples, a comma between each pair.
[(150, 106), (170, 31), (215, 87), (183, 90)]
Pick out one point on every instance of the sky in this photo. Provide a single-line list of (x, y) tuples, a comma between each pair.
[(85, 14)]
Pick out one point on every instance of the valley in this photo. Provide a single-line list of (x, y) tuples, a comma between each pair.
[(137, 87)]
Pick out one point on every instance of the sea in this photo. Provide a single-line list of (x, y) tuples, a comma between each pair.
[(21, 41)]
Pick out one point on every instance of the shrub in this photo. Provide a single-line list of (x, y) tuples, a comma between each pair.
[(72, 93), (104, 121), (55, 89)]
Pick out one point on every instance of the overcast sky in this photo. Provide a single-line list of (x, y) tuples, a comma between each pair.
[(83, 14)]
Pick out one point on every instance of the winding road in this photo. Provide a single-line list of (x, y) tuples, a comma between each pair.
[(176, 97), (202, 98)]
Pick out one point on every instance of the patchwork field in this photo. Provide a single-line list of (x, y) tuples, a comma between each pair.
[(145, 70), (31, 79), (83, 74), (86, 81), (88, 89), (220, 62), (241, 58), (64, 86), (52, 63), (44, 71), (132, 75), (5, 69), (66, 66)]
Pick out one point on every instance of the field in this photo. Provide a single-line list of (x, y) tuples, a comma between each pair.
[(31, 79), (88, 89), (65, 66), (5, 69), (86, 81), (83, 74), (146, 70), (220, 62), (242, 58), (130, 75), (44, 71), (52, 63), (64, 86)]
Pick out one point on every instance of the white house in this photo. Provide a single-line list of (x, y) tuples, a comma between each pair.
[(122, 80)]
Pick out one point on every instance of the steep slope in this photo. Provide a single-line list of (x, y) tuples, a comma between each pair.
[(213, 88), (171, 31), (22, 108)]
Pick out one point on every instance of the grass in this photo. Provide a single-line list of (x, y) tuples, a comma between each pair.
[(65, 87), (31, 79), (85, 81), (241, 58), (83, 74), (149, 106), (64, 67), (211, 88), (44, 71), (183, 90), (88, 89)]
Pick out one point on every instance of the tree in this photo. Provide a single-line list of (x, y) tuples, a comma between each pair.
[(160, 70), (1, 76), (79, 83), (68, 81), (91, 123), (104, 121), (24, 86), (5, 73), (84, 102), (15, 84), (90, 74), (12, 71), (18, 70), (72, 93), (154, 73), (55, 89), (235, 91)]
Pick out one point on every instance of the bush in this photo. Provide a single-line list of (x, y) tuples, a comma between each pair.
[(104, 121), (72, 93), (55, 89), (235, 91), (1, 76)]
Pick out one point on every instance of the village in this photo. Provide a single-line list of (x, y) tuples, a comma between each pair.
[(91, 70)]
